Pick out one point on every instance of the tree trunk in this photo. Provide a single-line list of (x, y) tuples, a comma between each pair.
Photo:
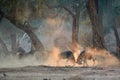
[(117, 41), (98, 39), (75, 30), (26, 28), (111, 22), (75, 25), (35, 41), (4, 47), (114, 26), (13, 42)]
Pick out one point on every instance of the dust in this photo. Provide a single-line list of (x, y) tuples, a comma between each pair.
[(76, 49), (12, 61), (103, 57), (55, 60), (51, 58)]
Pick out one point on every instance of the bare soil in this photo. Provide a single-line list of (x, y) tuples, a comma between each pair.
[(60, 73)]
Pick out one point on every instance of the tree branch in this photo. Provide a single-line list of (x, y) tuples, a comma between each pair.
[(65, 8), (70, 12), (50, 6)]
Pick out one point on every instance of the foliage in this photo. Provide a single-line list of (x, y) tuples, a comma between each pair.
[(21, 7), (7, 5), (117, 10), (73, 5)]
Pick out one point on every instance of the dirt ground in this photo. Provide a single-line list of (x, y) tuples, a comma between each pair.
[(60, 73)]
